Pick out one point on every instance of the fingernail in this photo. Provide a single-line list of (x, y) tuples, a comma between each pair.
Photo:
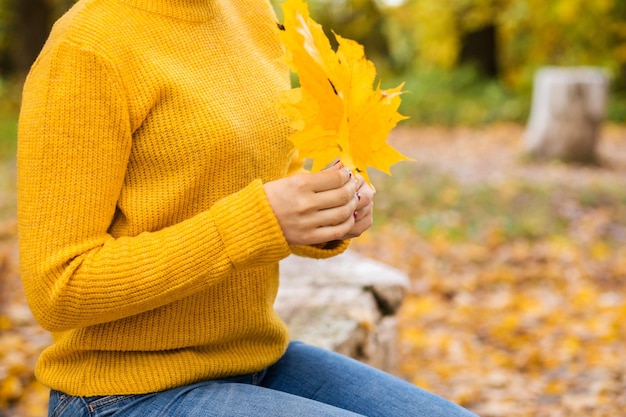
[(349, 172), (354, 215), (358, 196), (337, 162)]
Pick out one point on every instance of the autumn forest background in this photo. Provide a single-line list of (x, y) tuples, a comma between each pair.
[(518, 267)]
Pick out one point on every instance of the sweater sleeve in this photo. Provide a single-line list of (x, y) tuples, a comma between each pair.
[(74, 144), (327, 250)]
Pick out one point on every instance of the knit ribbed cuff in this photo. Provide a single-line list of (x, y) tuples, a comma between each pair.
[(249, 229), (333, 249)]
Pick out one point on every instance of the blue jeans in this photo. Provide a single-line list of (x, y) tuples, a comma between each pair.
[(306, 381)]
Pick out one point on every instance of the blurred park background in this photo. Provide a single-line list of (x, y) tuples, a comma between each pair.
[(518, 267)]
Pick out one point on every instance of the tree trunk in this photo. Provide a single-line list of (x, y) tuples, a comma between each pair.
[(567, 112), (480, 49), (31, 28)]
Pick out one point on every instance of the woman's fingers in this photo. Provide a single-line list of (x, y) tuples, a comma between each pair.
[(314, 208), (338, 197), (317, 208), (330, 179), (364, 214), (323, 234)]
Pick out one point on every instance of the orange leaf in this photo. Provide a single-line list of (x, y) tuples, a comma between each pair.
[(336, 113)]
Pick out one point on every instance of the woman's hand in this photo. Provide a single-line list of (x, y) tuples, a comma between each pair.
[(321, 207), (364, 214)]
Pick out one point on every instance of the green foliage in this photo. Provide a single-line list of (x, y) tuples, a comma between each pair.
[(531, 33), (420, 41), (561, 32), (8, 142), (460, 96), (9, 107), (8, 136)]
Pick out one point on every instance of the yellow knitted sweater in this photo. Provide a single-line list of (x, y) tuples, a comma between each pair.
[(148, 247)]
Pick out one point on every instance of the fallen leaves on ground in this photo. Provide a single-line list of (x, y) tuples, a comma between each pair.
[(21, 339), (509, 319)]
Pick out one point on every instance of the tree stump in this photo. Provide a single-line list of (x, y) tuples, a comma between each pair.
[(567, 112)]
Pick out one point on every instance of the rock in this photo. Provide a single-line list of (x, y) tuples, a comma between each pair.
[(567, 112), (346, 304)]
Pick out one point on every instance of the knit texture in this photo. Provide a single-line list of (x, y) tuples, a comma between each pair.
[(148, 247)]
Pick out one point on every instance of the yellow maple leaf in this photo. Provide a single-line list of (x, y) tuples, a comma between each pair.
[(336, 112)]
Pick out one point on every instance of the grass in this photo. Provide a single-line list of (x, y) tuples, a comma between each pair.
[(464, 97), (433, 204), (8, 145), (8, 136), (461, 96)]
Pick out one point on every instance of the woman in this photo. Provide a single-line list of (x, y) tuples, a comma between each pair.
[(157, 193)]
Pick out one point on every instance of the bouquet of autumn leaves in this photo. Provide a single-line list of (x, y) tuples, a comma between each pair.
[(336, 113)]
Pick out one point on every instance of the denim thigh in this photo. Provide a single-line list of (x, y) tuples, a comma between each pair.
[(230, 397), (342, 382), (306, 381)]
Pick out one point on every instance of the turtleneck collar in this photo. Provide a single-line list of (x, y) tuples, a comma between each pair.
[(195, 10)]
